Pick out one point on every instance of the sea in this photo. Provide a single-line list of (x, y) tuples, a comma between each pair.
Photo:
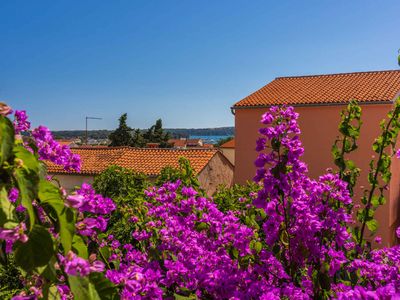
[(209, 139)]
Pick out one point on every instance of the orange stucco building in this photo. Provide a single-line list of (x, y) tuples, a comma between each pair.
[(319, 99)]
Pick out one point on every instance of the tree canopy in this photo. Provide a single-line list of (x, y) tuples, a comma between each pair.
[(122, 135)]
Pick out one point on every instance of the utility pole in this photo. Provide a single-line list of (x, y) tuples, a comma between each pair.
[(89, 118)]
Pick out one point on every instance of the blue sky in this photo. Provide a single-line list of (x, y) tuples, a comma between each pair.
[(183, 61)]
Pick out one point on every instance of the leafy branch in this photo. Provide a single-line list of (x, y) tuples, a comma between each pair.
[(379, 174), (349, 127)]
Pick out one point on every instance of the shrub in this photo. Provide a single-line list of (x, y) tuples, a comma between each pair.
[(294, 239), (184, 173), (120, 183), (126, 188), (43, 229)]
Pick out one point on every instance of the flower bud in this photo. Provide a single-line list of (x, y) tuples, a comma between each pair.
[(5, 109)]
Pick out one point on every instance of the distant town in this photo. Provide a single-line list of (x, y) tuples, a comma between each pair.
[(100, 137)]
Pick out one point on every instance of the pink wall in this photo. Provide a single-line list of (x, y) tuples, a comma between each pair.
[(319, 130)]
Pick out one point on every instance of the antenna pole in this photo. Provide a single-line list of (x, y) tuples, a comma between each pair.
[(86, 128)]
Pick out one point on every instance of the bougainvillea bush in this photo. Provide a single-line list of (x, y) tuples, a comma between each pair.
[(286, 236)]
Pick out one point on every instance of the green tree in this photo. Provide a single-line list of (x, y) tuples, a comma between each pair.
[(156, 134), (126, 188), (398, 58), (120, 183), (223, 141), (184, 173), (138, 139), (122, 135)]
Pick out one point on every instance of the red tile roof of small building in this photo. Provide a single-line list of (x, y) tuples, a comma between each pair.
[(177, 142), (375, 87), (148, 161), (228, 144), (205, 145), (65, 141)]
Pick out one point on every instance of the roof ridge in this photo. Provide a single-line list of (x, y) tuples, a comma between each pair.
[(140, 149), (335, 74), (100, 147)]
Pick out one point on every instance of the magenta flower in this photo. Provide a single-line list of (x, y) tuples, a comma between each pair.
[(88, 226), (20, 208), (97, 266), (65, 292), (75, 201), (21, 121), (13, 195), (94, 203), (50, 150), (15, 234), (77, 266)]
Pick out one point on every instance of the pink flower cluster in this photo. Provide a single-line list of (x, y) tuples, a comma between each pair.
[(77, 266), (300, 248), (86, 200), (21, 121), (196, 242), (50, 150), (309, 220), (12, 235)]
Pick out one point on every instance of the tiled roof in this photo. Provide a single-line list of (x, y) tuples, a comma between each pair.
[(377, 86), (181, 143), (229, 144), (65, 142), (148, 161), (205, 145)]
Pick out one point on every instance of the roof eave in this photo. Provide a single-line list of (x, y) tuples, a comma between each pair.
[(378, 102)]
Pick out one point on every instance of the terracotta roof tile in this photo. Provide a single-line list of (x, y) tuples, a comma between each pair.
[(177, 142), (229, 144), (148, 161), (65, 141), (376, 86)]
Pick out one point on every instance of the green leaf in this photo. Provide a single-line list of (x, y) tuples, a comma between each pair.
[(6, 139), (79, 246), (37, 251), (201, 226), (50, 195), (378, 200), (82, 289), (30, 161), (27, 185), (284, 238), (103, 286), (258, 247), (350, 164), (180, 297), (27, 178), (364, 200), (235, 253), (6, 208), (50, 292), (276, 249), (49, 271), (324, 281), (105, 252), (398, 59), (372, 225)]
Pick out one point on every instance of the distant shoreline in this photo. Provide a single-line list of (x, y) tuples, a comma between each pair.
[(204, 133)]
